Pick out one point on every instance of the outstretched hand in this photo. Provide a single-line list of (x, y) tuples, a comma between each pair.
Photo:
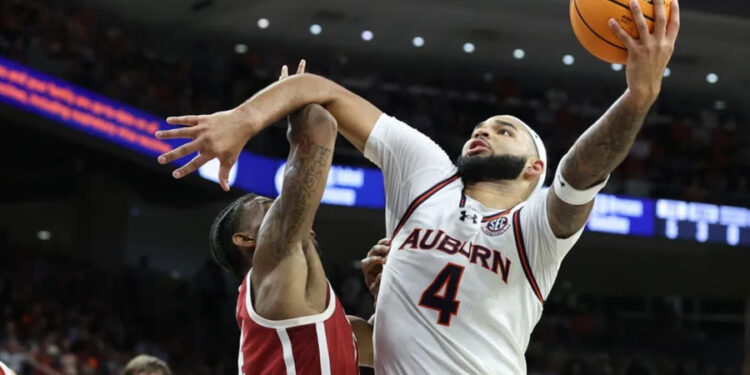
[(649, 54), (220, 135)]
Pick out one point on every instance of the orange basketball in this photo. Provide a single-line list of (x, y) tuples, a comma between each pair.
[(590, 18)]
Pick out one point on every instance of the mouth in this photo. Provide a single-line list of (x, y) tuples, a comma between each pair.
[(477, 146)]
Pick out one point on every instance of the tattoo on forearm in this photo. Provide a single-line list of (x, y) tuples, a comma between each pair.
[(603, 146), (303, 179), (596, 153), (311, 169)]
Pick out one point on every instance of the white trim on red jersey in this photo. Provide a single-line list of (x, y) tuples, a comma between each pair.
[(325, 362), (240, 357), (288, 323), (286, 349)]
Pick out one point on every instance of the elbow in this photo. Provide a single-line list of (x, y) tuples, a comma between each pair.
[(314, 118)]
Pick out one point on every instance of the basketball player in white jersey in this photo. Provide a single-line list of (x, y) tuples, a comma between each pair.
[(475, 247)]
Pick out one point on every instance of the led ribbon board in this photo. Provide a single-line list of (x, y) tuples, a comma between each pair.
[(113, 122), (703, 222), (85, 111)]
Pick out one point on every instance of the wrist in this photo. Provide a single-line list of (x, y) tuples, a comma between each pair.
[(639, 100), (249, 118)]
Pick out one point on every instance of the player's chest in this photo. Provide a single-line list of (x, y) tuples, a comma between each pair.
[(461, 236)]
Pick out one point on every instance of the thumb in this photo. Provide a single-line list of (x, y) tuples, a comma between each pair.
[(226, 166)]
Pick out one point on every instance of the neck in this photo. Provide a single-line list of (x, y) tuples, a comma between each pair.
[(497, 194)]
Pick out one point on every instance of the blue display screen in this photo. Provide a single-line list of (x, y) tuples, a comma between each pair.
[(622, 215), (85, 111), (703, 222)]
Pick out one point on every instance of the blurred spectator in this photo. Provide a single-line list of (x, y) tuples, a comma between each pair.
[(146, 365), (107, 316), (12, 354), (73, 318)]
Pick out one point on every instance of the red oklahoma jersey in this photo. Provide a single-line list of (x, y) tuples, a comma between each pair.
[(321, 344), (4, 370)]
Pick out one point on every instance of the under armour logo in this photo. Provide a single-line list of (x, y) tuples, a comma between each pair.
[(464, 216), (562, 182)]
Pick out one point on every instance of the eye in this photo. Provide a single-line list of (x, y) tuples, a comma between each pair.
[(505, 132)]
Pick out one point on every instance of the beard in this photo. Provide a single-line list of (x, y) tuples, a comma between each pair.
[(473, 169)]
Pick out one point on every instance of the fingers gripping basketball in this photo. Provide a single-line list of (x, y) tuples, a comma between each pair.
[(589, 19)]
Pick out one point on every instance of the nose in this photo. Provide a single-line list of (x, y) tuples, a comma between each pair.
[(481, 133)]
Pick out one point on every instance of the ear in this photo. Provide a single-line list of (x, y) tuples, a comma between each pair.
[(534, 168), (243, 240)]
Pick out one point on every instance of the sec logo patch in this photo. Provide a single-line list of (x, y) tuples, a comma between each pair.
[(496, 227)]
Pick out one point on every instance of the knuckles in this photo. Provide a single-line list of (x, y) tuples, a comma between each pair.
[(208, 141), (226, 156), (667, 47)]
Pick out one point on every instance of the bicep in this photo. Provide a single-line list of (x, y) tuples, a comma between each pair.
[(549, 234), (355, 116), (566, 219)]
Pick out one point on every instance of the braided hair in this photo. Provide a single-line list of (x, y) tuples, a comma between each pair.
[(225, 225)]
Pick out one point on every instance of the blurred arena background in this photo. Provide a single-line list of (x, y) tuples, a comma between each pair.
[(104, 256)]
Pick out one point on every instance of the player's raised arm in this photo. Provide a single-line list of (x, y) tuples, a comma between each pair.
[(355, 115), (223, 134), (312, 135), (606, 143)]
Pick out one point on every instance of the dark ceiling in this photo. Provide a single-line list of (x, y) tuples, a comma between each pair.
[(715, 35)]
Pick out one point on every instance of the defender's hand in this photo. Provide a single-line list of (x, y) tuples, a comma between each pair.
[(285, 74), (372, 265), (300, 69), (648, 55)]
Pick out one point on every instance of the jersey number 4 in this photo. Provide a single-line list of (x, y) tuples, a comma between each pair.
[(441, 294)]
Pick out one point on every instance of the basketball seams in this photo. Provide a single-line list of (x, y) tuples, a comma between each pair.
[(590, 21), (628, 8), (583, 20)]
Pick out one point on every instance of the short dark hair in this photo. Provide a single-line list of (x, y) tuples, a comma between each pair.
[(146, 363), (225, 225)]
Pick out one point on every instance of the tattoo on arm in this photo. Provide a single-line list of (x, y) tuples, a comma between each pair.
[(594, 155), (312, 135), (312, 168), (603, 146)]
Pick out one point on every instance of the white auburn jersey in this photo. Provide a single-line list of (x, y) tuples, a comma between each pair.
[(464, 284)]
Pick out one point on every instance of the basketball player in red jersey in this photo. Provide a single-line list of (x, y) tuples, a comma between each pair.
[(476, 246), (5, 370), (291, 321)]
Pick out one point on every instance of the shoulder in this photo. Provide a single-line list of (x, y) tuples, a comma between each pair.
[(390, 134)]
